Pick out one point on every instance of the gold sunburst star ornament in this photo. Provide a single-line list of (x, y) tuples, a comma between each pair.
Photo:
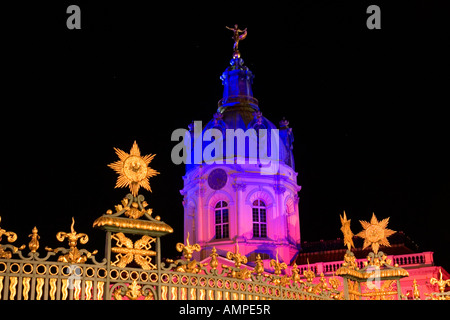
[(375, 233), (133, 169), (348, 234)]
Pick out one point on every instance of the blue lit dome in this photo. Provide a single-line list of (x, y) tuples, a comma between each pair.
[(238, 109)]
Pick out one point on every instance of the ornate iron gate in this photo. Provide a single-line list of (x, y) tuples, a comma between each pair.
[(132, 268)]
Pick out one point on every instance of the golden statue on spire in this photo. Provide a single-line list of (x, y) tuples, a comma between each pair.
[(237, 37)]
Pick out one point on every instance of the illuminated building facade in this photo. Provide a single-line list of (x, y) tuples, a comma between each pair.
[(230, 201), (239, 198)]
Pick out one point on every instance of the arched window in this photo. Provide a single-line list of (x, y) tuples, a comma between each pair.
[(221, 220), (259, 219)]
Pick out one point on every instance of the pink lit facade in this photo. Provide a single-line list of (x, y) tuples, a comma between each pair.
[(259, 212)]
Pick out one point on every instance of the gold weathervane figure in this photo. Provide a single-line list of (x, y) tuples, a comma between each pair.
[(133, 169), (237, 37), (375, 233)]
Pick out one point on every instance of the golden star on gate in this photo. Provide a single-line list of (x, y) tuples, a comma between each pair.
[(133, 169), (375, 233)]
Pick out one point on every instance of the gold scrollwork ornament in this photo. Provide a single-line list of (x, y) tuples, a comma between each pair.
[(11, 237)]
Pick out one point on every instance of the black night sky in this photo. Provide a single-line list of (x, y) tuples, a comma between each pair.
[(367, 108)]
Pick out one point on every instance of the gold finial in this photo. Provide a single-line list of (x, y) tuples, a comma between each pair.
[(348, 234), (213, 263), (309, 274), (259, 265), (72, 230), (74, 255), (295, 274), (277, 265), (236, 257), (133, 169), (188, 249), (375, 233), (350, 261), (237, 37), (441, 283), (416, 292), (34, 242), (335, 283)]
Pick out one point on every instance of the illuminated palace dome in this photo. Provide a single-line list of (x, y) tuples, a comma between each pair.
[(235, 196), (238, 109)]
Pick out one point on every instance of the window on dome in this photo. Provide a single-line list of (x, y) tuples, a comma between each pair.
[(221, 220), (259, 219)]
